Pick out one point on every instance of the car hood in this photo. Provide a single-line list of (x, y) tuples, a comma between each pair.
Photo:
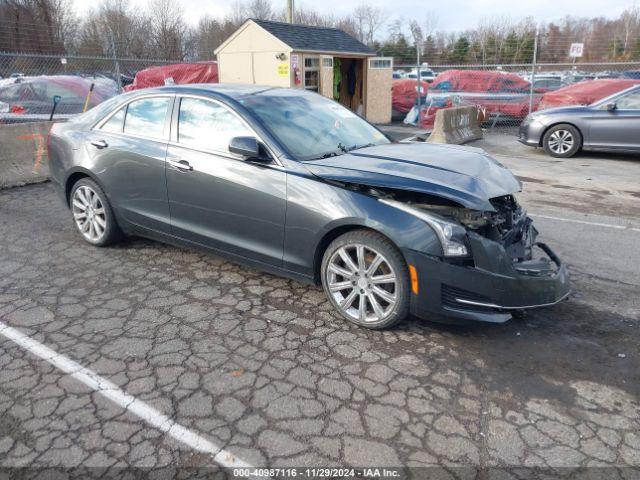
[(466, 175)]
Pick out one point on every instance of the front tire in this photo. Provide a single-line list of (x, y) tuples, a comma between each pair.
[(366, 279), (92, 214), (562, 141)]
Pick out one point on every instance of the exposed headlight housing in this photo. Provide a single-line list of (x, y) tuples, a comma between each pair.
[(450, 234)]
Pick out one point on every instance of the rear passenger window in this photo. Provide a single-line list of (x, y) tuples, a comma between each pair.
[(146, 117), (114, 124), (207, 125)]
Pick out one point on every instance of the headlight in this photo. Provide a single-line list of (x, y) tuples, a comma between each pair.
[(450, 234)]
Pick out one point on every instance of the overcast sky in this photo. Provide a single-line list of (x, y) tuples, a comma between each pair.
[(453, 15)]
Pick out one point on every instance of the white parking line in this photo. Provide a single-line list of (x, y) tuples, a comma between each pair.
[(109, 390), (584, 222)]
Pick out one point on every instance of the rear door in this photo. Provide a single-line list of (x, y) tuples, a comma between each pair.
[(128, 151), (218, 199), (619, 128)]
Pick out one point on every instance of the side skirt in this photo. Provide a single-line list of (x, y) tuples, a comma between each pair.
[(137, 230)]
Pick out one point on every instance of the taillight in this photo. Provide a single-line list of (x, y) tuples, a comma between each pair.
[(18, 109)]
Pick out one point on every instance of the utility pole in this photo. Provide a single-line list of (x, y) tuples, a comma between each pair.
[(533, 67), (290, 7)]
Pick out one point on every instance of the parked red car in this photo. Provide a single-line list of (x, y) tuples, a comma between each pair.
[(404, 93), (175, 74), (585, 92), (34, 95), (496, 93)]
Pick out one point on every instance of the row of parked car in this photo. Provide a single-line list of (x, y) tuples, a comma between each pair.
[(500, 95), (548, 79), (31, 98)]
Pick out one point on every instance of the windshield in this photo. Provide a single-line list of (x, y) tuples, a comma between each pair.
[(311, 126)]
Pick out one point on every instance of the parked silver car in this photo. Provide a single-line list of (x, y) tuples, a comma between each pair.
[(612, 123)]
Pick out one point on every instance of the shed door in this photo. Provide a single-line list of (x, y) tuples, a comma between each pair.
[(378, 89), (326, 76)]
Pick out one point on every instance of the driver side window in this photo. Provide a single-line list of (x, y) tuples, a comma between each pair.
[(630, 101), (207, 125)]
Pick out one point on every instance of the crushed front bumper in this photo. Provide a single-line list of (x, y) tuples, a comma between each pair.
[(490, 290)]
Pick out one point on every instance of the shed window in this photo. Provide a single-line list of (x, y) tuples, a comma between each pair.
[(380, 63), (311, 62), (311, 73), (327, 62)]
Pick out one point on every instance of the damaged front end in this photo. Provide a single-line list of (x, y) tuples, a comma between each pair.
[(491, 263)]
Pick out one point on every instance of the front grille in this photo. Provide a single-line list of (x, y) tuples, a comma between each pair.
[(449, 295)]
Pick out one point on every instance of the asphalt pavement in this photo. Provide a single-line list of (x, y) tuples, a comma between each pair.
[(150, 356)]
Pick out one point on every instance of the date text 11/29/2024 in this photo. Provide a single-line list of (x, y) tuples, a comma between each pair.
[(329, 472)]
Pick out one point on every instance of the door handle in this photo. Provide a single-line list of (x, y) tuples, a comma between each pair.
[(99, 144), (181, 165)]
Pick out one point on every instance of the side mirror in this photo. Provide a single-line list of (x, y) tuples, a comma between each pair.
[(248, 147), (612, 106)]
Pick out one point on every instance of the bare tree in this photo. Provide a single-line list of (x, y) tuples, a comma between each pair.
[(260, 9), (360, 17), (416, 32), (430, 24), (368, 20), (630, 19), (169, 31), (114, 25), (45, 26), (374, 20), (396, 27)]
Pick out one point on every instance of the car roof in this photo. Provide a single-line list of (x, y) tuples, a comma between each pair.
[(229, 90)]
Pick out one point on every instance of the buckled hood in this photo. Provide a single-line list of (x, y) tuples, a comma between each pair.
[(466, 175)]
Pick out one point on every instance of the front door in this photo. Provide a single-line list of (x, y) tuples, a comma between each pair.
[(618, 128), (216, 198)]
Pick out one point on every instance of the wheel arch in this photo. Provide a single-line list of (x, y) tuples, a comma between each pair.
[(73, 177), (330, 236), (555, 124)]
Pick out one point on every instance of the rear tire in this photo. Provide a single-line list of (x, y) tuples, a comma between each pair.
[(92, 214), (562, 141), (366, 279)]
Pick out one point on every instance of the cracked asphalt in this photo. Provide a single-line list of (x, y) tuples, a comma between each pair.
[(262, 367)]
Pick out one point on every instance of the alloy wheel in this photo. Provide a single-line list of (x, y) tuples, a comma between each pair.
[(88, 213), (561, 141), (362, 283)]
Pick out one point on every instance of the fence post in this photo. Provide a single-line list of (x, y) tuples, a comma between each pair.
[(419, 83), (116, 64), (533, 68)]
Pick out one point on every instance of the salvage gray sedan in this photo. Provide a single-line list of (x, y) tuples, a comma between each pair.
[(293, 183), (612, 123)]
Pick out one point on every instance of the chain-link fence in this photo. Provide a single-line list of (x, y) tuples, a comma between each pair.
[(33, 87), (506, 94), (39, 87)]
